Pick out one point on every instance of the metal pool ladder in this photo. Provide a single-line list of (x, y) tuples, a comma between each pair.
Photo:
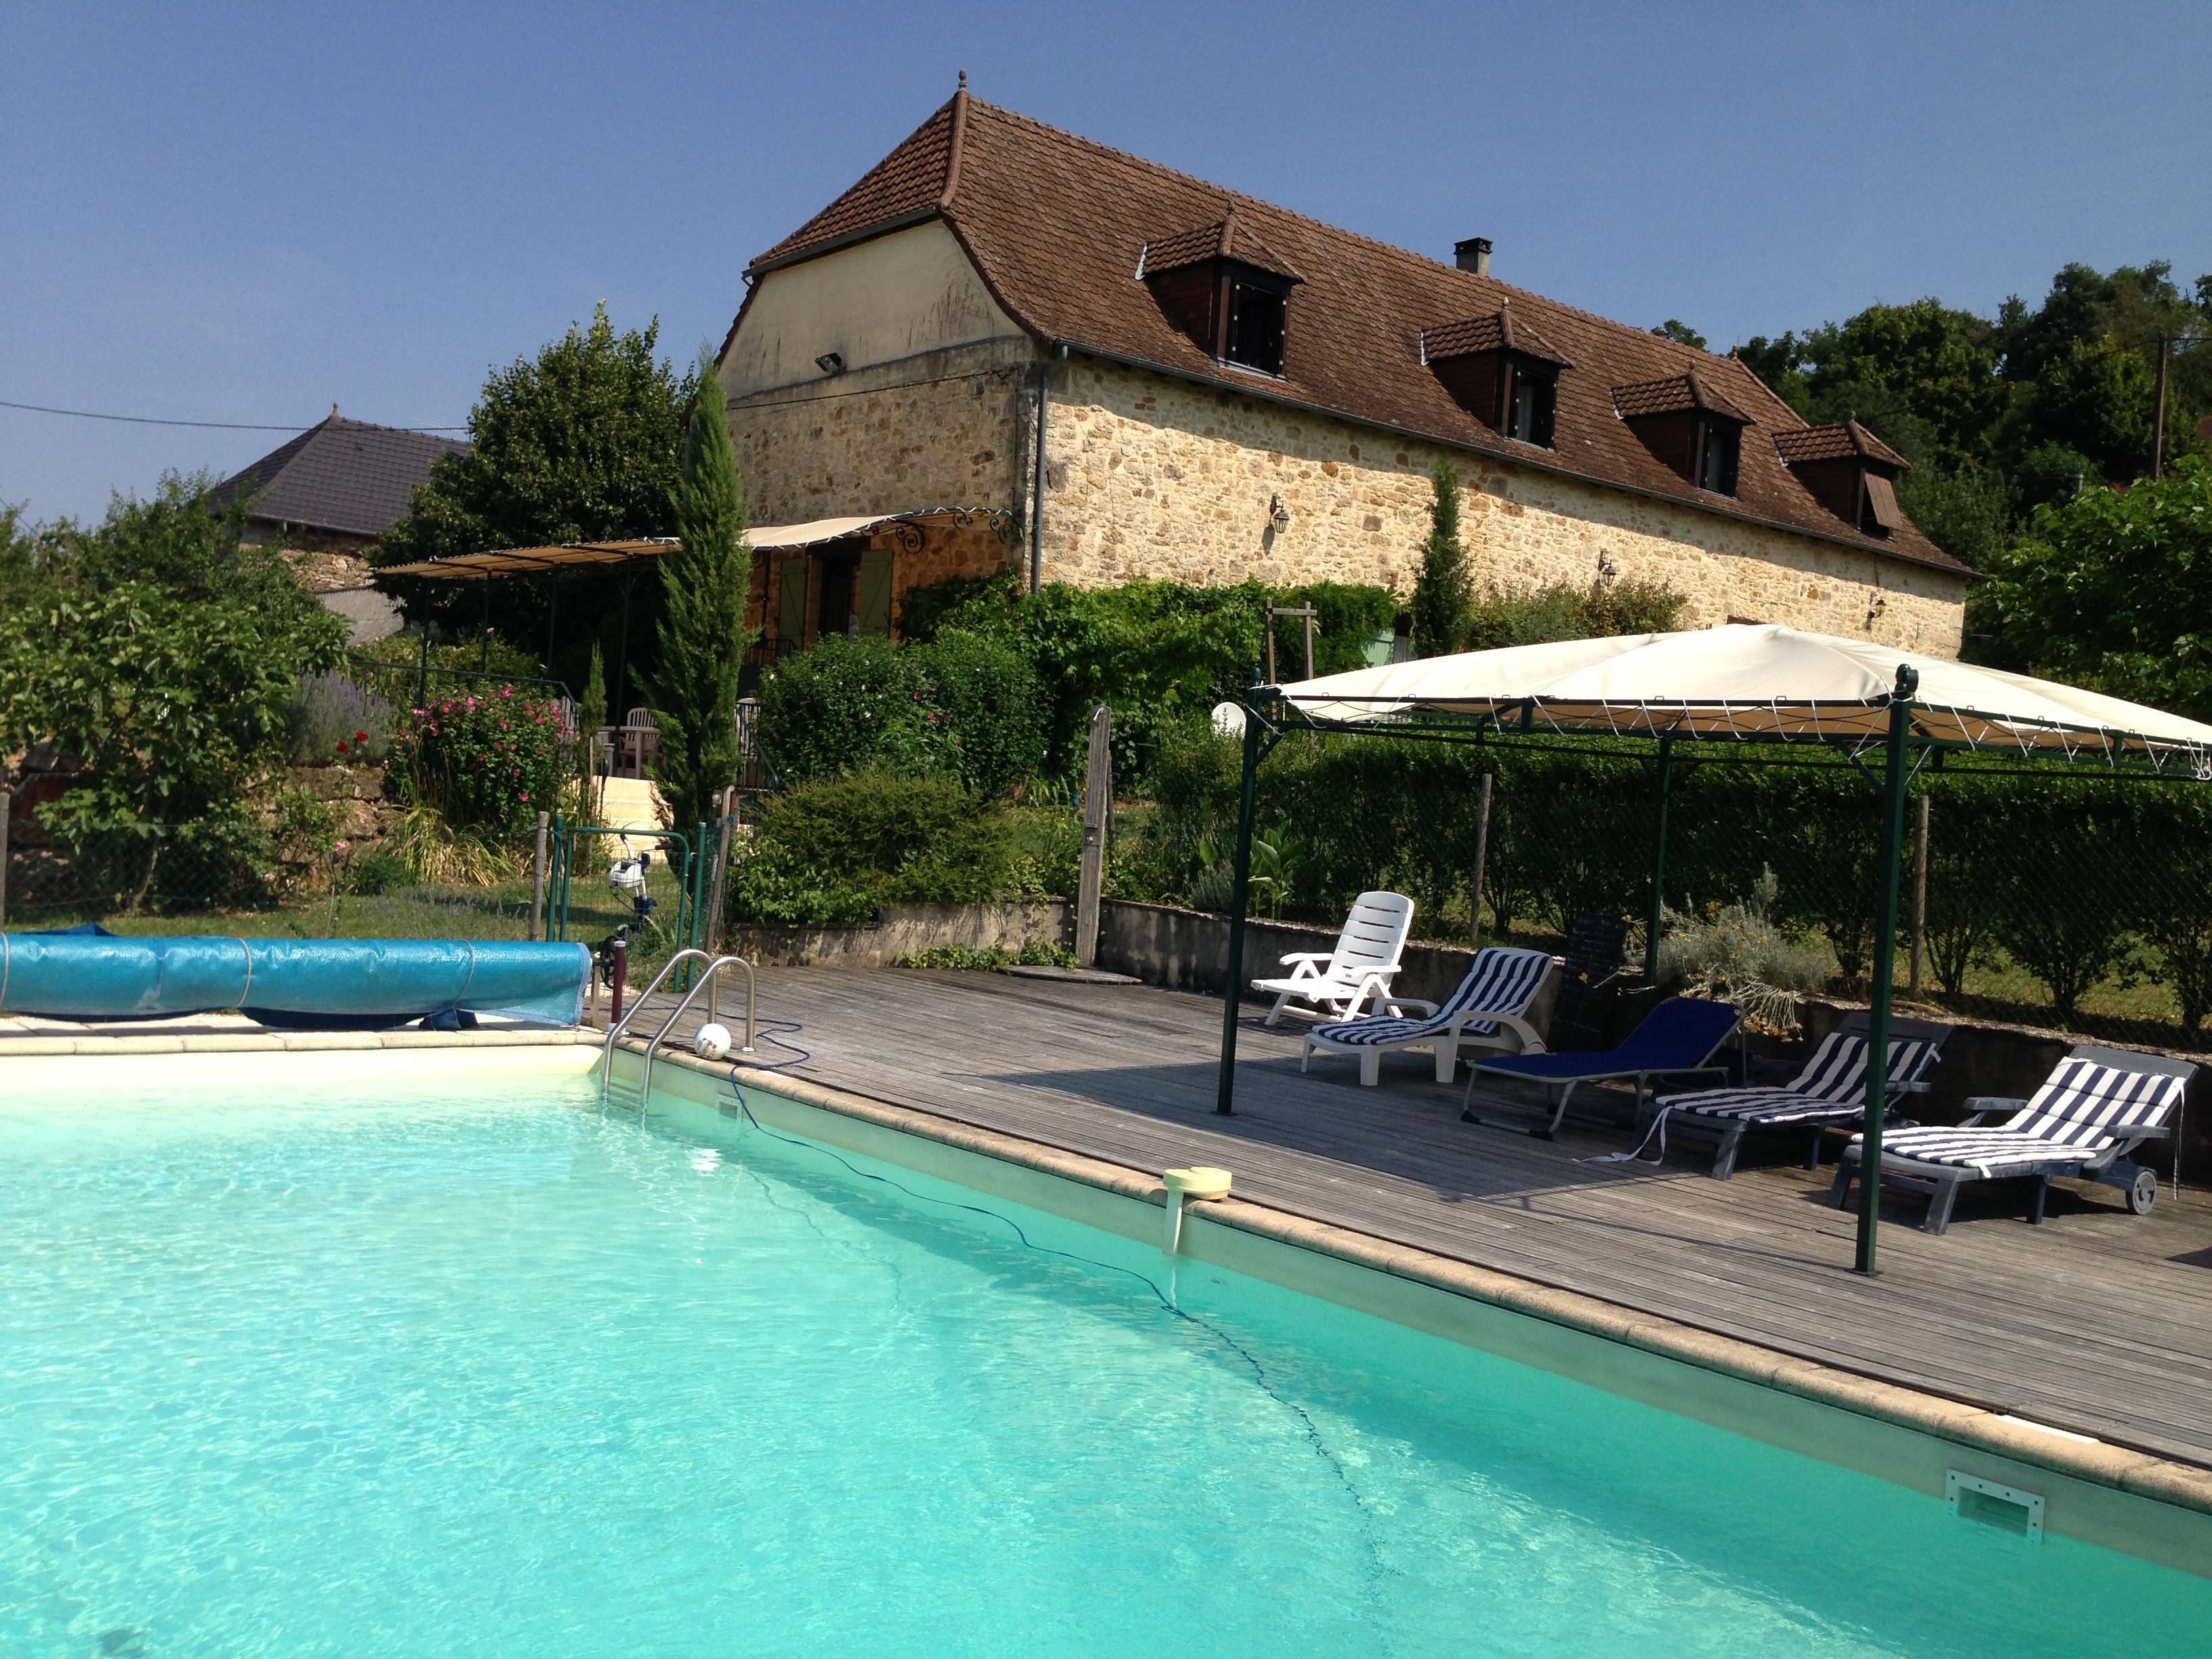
[(710, 982)]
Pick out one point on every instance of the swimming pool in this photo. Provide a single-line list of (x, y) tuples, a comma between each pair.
[(489, 1370)]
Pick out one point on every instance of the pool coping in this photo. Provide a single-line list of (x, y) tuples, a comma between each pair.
[(269, 1042), (2012, 1448)]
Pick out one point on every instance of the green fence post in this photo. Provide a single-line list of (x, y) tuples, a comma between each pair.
[(1900, 751), (1658, 864)]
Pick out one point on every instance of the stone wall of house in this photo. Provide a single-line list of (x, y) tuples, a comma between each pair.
[(944, 428), (1150, 475)]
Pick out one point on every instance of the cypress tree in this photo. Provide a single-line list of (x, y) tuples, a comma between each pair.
[(1443, 595), (693, 691)]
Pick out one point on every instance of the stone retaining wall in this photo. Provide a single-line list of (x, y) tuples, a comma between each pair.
[(905, 930)]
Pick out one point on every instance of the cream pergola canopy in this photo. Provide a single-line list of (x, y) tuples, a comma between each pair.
[(1758, 682), (761, 539)]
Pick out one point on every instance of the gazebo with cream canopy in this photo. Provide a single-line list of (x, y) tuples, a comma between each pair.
[(1743, 684)]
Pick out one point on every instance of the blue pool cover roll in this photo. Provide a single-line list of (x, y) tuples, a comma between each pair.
[(73, 976)]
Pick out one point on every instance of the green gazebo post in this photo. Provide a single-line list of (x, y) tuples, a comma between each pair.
[(1896, 774)]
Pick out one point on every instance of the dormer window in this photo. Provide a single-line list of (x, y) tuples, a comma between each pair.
[(1223, 289), (1257, 305), (1687, 425), (1850, 471), (1532, 398), (1719, 445), (1500, 371)]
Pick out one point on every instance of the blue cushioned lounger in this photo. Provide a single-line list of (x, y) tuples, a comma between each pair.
[(1677, 1039)]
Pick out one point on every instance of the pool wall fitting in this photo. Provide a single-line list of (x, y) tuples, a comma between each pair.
[(2102, 1494)]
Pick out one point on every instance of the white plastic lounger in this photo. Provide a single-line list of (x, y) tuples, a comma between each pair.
[(1361, 966), (2090, 1113), (1830, 1091), (1488, 1011)]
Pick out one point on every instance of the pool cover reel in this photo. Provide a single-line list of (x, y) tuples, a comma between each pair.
[(383, 980)]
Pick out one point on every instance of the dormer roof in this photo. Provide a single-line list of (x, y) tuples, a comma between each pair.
[(1842, 441), (1675, 394), (1501, 331), (1224, 239)]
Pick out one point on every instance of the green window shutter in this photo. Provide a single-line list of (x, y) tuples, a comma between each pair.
[(791, 601), (874, 600)]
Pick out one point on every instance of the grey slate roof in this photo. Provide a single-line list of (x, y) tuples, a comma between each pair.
[(342, 475)]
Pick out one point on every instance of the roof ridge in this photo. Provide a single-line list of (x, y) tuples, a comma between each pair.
[(1236, 197), (954, 145)]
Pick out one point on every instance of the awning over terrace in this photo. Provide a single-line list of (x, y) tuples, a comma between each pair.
[(1756, 681), (761, 539)]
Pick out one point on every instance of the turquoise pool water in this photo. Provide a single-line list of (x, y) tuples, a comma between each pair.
[(500, 1374)]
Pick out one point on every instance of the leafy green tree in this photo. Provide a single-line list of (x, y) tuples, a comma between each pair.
[(703, 585), (2113, 591), (582, 443), (1443, 592), (2094, 398), (160, 654), (1675, 329)]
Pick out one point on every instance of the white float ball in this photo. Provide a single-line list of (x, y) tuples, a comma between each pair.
[(711, 1042)]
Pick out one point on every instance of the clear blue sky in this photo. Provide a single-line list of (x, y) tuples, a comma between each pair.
[(247, 213)]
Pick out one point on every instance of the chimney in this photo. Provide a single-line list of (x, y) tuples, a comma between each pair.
[(1473, 254)]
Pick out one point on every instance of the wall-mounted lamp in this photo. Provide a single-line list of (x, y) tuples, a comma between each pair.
[(1608, 573), (830, 363), (1874, 608), (1279, 514)]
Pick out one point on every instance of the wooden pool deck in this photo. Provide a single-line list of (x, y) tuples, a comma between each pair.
[(2098, 1321)]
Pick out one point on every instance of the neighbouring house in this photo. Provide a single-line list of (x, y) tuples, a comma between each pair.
[(327, 495), (1140, 374)]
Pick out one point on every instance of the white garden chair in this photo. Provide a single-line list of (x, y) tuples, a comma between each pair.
[(1336, 984)]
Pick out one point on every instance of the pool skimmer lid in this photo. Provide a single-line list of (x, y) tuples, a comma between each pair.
[(1187, 1186)]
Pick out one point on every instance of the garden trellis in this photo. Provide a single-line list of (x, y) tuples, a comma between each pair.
[(1882, 710)]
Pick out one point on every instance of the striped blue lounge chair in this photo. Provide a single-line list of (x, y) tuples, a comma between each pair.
[(1677, 1040), (2090, 1113), (1489, 1010), (1830, 1091)]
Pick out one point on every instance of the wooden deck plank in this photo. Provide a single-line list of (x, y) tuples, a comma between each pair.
[(2096, 1321)]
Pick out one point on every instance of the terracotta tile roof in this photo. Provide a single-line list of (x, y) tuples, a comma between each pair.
[(1501, 330), (1055, 224), (1225, 238), (1833, 443), (341, 474), (1675, 393)]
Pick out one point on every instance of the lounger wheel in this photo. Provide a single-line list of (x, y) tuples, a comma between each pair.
[(2143, 1191)]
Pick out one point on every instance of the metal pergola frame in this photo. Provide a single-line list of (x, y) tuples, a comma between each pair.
[(1851, 732)]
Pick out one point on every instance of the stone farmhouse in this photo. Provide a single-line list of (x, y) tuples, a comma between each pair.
[(1115, 370)]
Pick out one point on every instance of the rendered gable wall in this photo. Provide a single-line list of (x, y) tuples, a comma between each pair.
[(894, 297)]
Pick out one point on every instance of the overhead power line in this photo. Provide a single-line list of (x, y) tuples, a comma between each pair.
[(223, 426)]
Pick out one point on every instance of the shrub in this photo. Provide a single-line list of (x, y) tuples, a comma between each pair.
[(489, 765), (1739, 953), (845, 706), (984, 694), (834, 850), (331, 720)]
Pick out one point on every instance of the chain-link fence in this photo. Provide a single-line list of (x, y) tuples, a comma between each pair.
[(2056, 900), (225, 876)]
